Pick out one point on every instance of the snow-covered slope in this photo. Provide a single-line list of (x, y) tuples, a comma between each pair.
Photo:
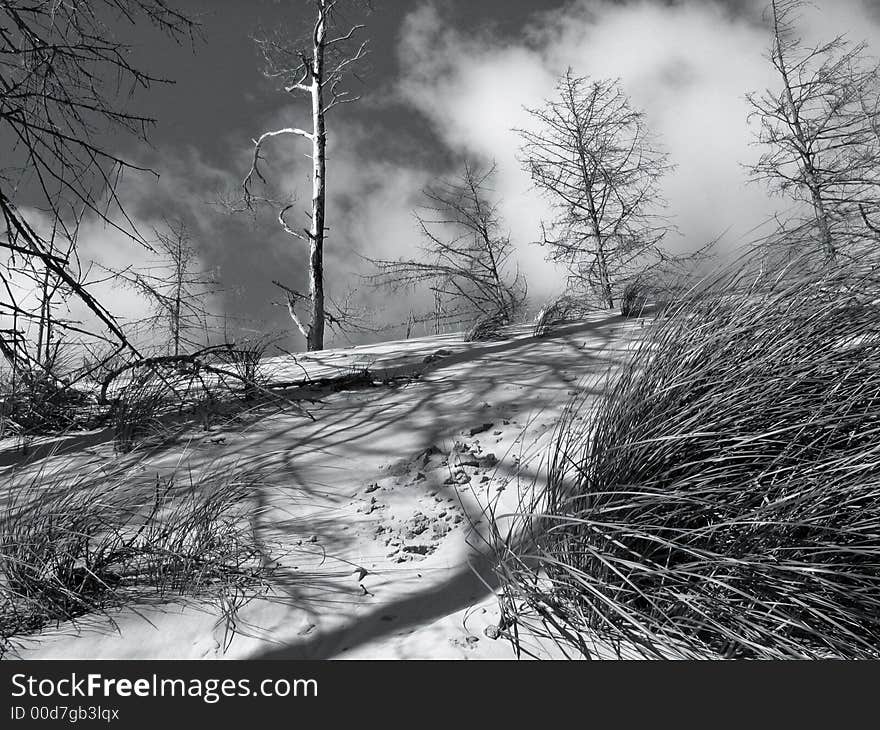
[(380, 500)]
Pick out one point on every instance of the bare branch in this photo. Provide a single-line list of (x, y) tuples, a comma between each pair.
[(258, 144), (293, 298), (286, 228), (341, 39)]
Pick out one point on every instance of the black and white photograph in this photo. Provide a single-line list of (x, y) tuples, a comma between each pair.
[(497, 330)]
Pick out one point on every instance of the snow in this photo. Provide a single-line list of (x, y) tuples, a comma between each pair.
[(386, 546)]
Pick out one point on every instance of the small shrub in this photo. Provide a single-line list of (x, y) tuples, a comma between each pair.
[(38, 403), (244, 359)]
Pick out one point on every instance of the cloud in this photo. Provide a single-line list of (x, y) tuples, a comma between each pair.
[(472, 90), (687, 64)]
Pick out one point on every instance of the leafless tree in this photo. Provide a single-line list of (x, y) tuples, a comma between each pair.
[(819, 130), (319, 71), (177, 288), (466, 260), (36, 330), (64, 80), (49, 291), (592, 156)]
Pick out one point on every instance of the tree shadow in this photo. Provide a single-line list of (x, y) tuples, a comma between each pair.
[(313, 468)]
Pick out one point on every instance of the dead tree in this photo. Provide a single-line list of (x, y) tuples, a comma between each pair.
[(38, 328), (592, 156), (55, 62), (819, 134), (49, 290), (176, 287), (466, 260), (318, 72)]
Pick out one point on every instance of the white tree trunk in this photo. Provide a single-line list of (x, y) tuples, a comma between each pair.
[(319, 167)]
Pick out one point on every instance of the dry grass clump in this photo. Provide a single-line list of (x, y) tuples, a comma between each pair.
[(78, 539), (487, 328), (37, 403), (562, 310), (723, 498), (634, 299), (244, 360), (153, 395), (136, 416)]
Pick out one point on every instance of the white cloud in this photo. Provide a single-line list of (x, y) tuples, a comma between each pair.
[(688, 65)]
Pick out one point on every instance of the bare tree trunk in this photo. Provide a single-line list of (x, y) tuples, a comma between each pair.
[(319, 191), (503, 305), (810, 176), (318, 75), (45, 313), (178, 294), (604, 278), (601, 259), (438, 311)]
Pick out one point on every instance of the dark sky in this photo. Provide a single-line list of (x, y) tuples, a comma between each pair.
[(219, 94)]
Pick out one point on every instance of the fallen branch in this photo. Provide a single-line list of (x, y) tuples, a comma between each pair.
[(198, 362)]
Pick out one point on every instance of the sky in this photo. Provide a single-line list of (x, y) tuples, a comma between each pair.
[(445, 81)]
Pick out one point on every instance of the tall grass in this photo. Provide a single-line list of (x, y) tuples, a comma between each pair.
[(722, 498), (79, 539)]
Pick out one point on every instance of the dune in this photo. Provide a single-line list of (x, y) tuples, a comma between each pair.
[(379, 502)]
